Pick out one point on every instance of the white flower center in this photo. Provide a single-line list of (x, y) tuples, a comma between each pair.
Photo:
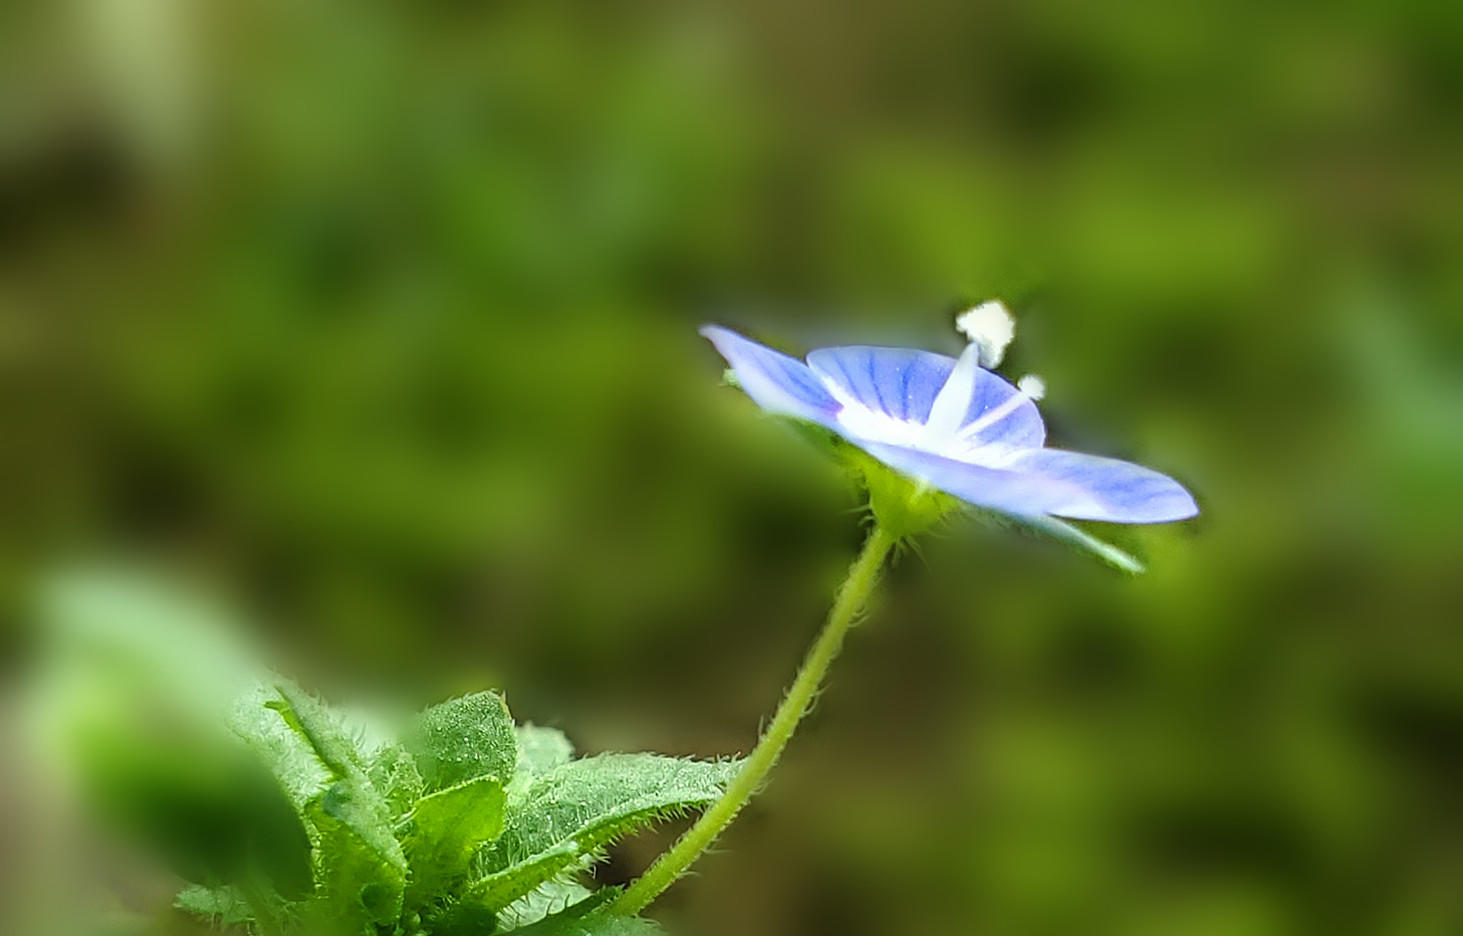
[(944, 433)]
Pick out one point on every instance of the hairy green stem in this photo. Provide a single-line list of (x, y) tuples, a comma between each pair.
[(851, 598)]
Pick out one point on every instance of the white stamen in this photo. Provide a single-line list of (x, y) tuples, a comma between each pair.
[(1030, 387), (953, 401), (990, 327)]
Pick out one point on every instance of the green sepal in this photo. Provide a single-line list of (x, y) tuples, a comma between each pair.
[(907, 507), (1067, 534), (901, 505)]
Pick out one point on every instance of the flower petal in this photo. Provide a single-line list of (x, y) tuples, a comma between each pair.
[(1115, 491), (999, 414), (899, 382), (776, 382), (904, 384), (1012, 492)]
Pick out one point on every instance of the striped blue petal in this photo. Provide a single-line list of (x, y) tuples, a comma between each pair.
[(903, 383), (776, 382), (899, 382), (1113, 490), (999, 414), (1001, 489)]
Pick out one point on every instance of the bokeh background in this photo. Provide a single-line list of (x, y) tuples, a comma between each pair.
[(381, 316)]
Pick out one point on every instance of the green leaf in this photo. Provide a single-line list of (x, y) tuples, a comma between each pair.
[(321, 729), (394, 775), (461, 919), (463, 739), (573, 810), (446, 828), (138, 678), (283, 750), (361, 870), (357, 887), (351, 799), (570, 923), (541, 749), (550, 897), (163, 637), (223, 906)]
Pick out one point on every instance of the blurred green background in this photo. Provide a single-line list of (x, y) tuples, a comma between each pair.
[(383, 316)]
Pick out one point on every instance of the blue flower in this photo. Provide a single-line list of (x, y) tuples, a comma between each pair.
[(951, 425)]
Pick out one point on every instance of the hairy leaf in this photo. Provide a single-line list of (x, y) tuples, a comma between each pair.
[(357, 887), (224, 906), (577, 808), (462, 739), (350, 799), (594, 923), (279, 746), (455, 918), (446, 829), (550, 897), (361, 871), (394, 775), (541, 749)]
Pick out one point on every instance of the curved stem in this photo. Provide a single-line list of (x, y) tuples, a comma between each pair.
[(852, 597)]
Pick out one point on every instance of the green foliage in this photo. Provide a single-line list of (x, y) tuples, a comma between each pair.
[(541, 749), (357, 883), (394, 773), (463, 739), (551, 897), (139, 687), (350, 802), (222, 905), (563, 908), (293, 819), (476, 854), (602, 924), (569, 923), (579, 807), (447, 827)]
